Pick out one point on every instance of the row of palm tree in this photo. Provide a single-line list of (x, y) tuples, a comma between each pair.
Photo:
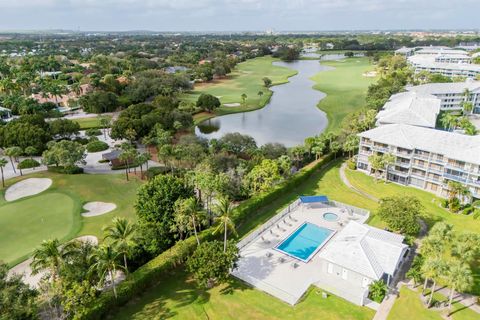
[(119, 238), (190, 216), (447, 260)]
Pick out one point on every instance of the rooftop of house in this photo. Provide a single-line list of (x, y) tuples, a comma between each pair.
[(410, 108), (452, 145), (429, 62), (366, 250)]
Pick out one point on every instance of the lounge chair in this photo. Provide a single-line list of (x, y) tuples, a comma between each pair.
[(295, 265), (292, 218), (273, 233), (265, 240), (281, 259), (288, 224), (269, 254), (280, 228)]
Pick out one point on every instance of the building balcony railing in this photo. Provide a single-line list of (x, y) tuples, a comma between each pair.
[(437, 160), (455, 178), (420, 156), (475, 182), (397, 172), (403, 164), (439, 171), (454, 167), (419, 166), (403, 153), (381, 149)]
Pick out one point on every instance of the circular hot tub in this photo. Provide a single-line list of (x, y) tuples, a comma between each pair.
[(330, 216)]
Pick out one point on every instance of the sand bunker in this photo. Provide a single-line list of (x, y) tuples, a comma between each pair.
[(236, 104), (27, 187), (98, 208), (92, 239)]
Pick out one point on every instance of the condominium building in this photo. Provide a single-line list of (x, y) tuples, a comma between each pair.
[(425, 158), (451, 95)]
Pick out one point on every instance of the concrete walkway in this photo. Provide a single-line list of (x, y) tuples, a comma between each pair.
[(344, 179)]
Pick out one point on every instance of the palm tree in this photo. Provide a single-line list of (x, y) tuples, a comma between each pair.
[(388, 159), (224, 210), (244, 98), (433, 269), (459, 277), (127, 156), (260, 94), (48, 256), (189, 209), (3, 163), (105, 263), (448, 120), (11, 153), (457, 190), (105, 123), (376, 162), (122, 233)]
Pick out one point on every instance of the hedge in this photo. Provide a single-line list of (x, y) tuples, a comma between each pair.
[(152, 271), (28, 163), (97, 146)]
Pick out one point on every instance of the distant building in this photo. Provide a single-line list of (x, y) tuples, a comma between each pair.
[(5, 114), (452, 94)]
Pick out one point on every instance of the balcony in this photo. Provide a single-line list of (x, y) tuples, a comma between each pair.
[(403, 164), (421, 156), (454, 167), (439, 171), (400, 173), (475, 182), (419, 166), (455, 178), (381, 149)]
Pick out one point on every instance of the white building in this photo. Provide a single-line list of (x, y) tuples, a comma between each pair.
[(410, 108), (452, 94), (425, 158), (447, 65), (344, 263)]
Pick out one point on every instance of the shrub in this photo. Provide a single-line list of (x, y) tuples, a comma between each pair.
[(93, 132), (149, 273), (28, 163), (81, 140), (96, 146), (378, 291), (352, 165), (468, 210)]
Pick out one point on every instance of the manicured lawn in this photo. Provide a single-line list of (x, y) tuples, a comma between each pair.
[(245, 78), (176, 296), (89, 123), (56, 213), (409, 306), (24, 224), (345, 86), (434, 212)]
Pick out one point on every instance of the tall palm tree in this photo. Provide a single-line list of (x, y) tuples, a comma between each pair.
[(122, 233), (49, 256), (190, 209), (3, 163), (433, 269), (456, 190), (459, 277), (224, 210), (105, 263), (388, 159), (448, 120)]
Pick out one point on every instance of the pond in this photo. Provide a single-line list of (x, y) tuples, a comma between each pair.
[(290, 116)]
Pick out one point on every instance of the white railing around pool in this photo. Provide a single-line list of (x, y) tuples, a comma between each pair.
[(273, 220)]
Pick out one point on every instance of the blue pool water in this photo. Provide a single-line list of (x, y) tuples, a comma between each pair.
[(329, 216), (305, 241)]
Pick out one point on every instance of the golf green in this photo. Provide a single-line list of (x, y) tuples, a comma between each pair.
[(25, 224)]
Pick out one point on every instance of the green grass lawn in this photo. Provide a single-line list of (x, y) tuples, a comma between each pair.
[(245, 78), (26, 223), (176, 296), (409, 306), (90, 123), (345, 86), (56, 212), (433, 211)]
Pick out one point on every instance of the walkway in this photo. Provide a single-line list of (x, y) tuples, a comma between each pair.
[(344, 179)]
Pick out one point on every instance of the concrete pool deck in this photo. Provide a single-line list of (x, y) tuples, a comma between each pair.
[(279, 274)]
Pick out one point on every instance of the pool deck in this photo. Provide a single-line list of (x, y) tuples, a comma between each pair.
[(277, 273)]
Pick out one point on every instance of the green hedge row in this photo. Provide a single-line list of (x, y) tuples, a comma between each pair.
[(148, 274)]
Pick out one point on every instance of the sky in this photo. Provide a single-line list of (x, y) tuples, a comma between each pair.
[(238, 15)]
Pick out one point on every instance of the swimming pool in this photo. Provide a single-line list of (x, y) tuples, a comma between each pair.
[(305, 241)]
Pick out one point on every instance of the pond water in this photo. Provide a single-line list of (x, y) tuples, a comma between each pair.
[(290, 116)]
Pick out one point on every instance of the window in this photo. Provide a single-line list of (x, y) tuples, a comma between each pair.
[(344, 274), (330, 268)]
